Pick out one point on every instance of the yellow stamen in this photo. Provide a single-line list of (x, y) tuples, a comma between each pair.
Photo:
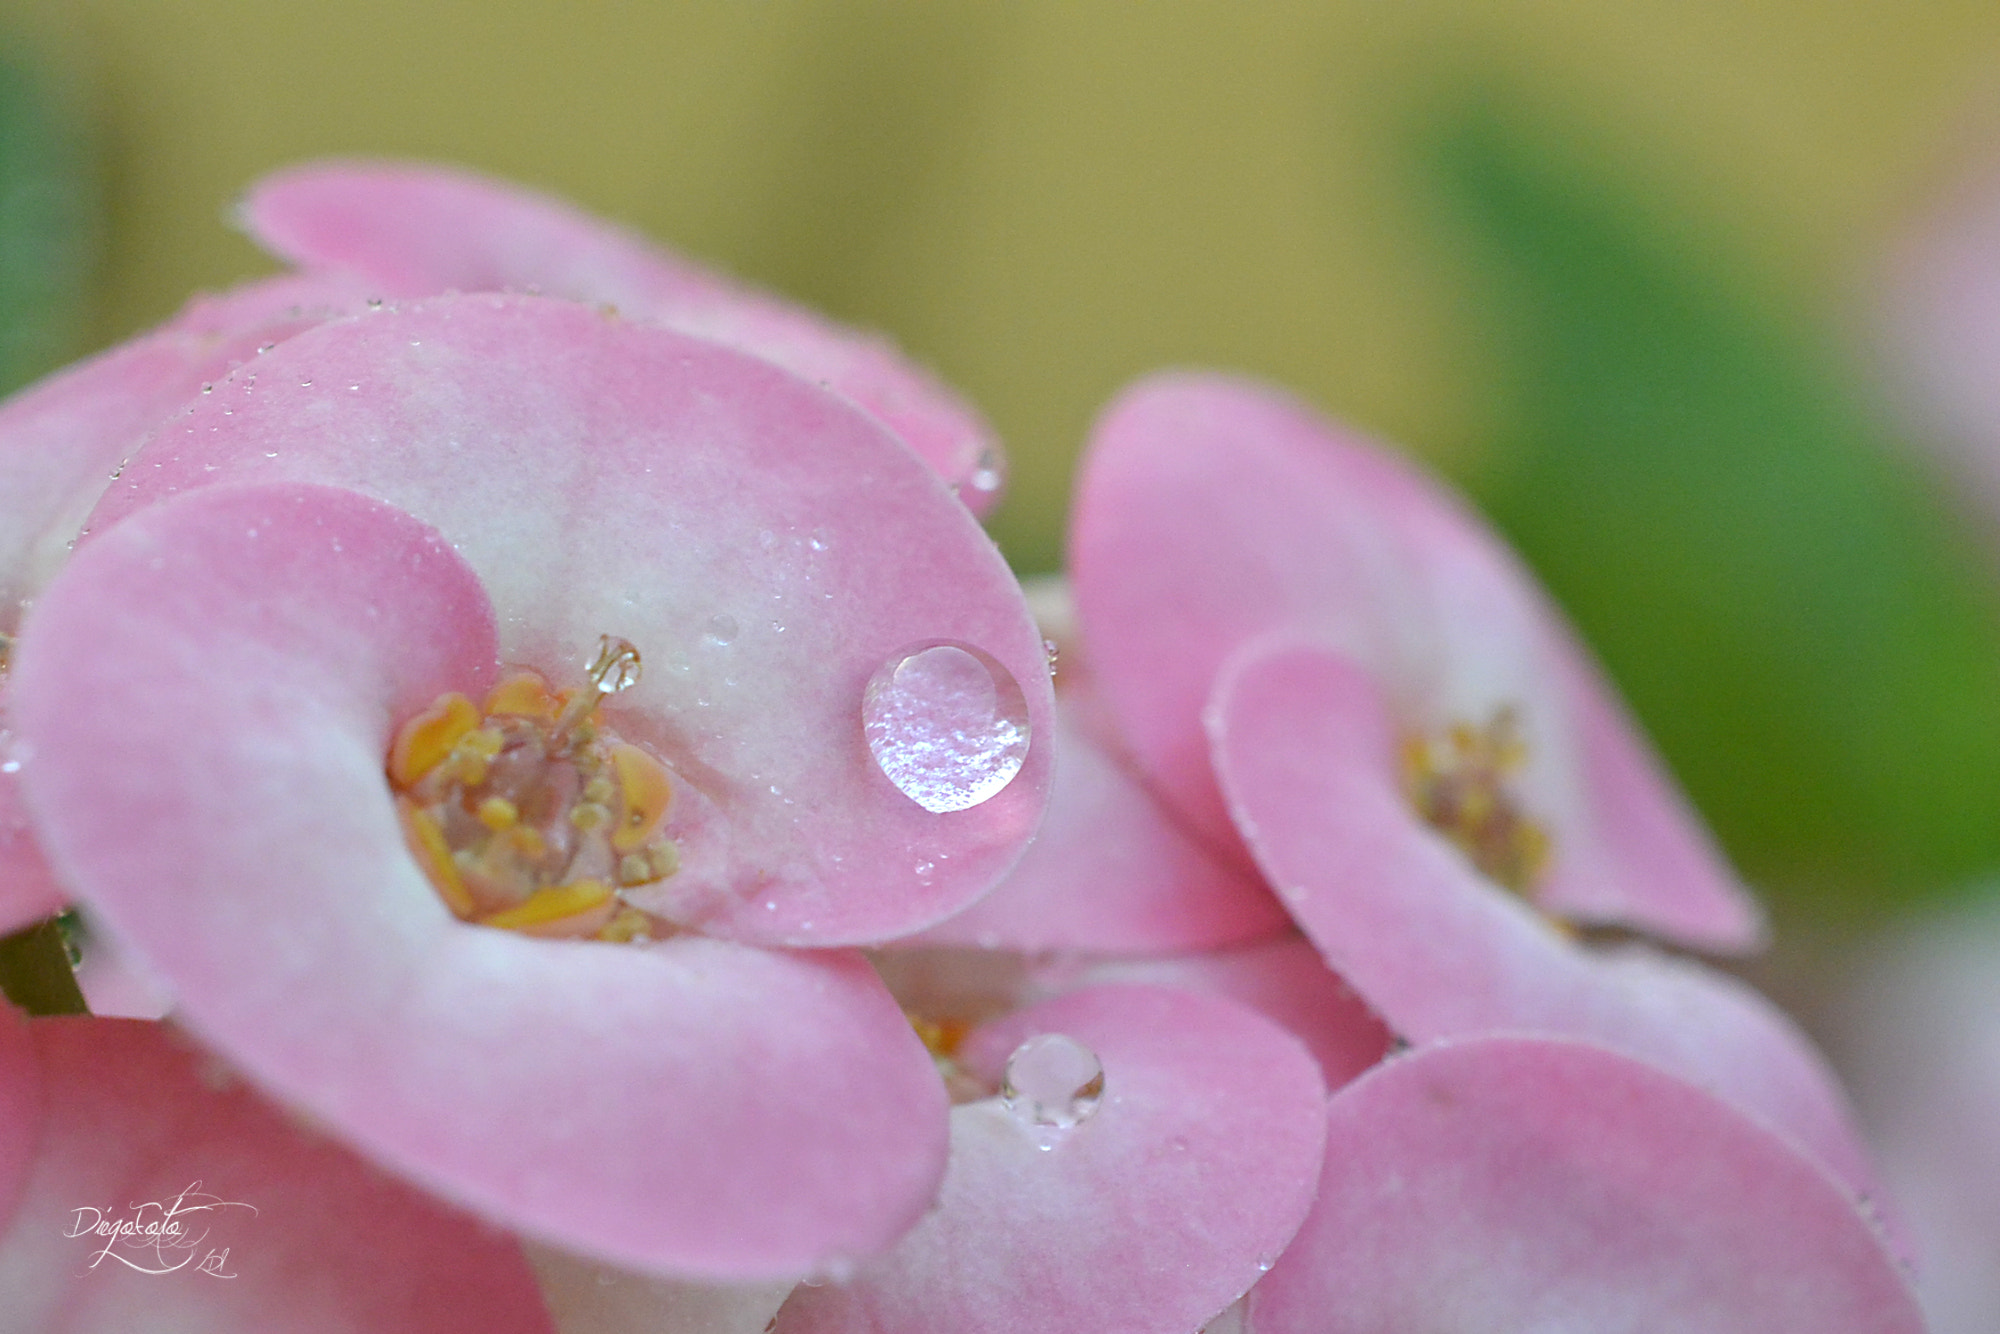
[(644, 792), (627, 926), (498, 814), (433, 854), (426, 740), (557, 909)]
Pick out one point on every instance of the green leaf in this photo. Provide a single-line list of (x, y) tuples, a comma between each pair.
[(1771, 579), (48, 224)]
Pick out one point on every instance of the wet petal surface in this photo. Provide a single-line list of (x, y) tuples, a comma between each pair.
[(695, 1107), (1153, 1211), (767, 548)]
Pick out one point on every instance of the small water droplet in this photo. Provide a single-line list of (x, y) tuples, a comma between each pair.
[(1053, 1083), (986, 476), (615, 668), (355, 388), (947, 724), (820, 539), (1053, 651), (10, 766), (305, 384), (270, 453), (208, 389), (721, 629), (265, 347), (925, 870), (374, 303)]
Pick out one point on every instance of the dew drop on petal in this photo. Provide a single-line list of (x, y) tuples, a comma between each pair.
[(947, 724), (616, 666), (720, 629), (1052, 1083), (985, 475)]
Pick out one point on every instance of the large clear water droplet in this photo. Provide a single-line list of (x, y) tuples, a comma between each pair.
[(1053, 1083), (947, 724)]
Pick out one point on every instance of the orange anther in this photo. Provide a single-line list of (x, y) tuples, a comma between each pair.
[(423, 742), (524, 695), (579, 908), (644, 789)]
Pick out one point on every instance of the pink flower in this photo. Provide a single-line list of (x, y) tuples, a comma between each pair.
[(1306, 645), (366, 232), (1151, 1153), (1522, 1183), (367, 523), (267, 1227)]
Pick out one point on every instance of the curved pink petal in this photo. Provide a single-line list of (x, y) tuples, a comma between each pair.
[(1213, 511), (63, 438), (62, 442), (419, 230), (1155, 1212), (695, 1107), (1284, 980), (1523, 1184), (312, 1240), (767, 548), (1303, 743), (1111, 872)]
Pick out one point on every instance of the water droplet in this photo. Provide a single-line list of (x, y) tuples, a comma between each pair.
[(986, 476), (208, 389), (270, 453), (374, 303), (305, 384), (947, 725), (616, 666), (1052, 1083), (820, 539), (721, 629), (1052, 651), (10, 766)]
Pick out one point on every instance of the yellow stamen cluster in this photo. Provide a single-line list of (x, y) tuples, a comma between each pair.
[(527, 814), (1460, 784)]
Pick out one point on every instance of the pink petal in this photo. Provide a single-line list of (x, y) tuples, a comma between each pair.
[(696, 1107), (1111, 872), (1284, 980), (419, 230), (1517, 1184), (20, 1106), (1304, 746), (587, 1298), (1152, 1214), (62, 441), (767, 547), (62, 438), (28, 889), (1213, 511), (317, 1241)]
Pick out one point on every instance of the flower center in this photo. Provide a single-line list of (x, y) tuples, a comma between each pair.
[(528, 813), (1460, 784)]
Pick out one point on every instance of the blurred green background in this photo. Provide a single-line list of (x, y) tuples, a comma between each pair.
[(1605, 264)]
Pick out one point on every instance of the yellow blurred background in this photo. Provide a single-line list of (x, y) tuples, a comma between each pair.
[(1043, 199)]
